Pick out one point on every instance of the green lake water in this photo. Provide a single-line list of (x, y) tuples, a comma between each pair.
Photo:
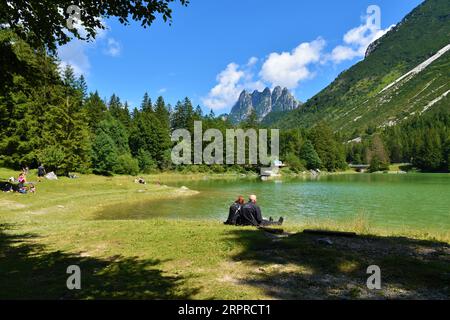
[(412, 201)]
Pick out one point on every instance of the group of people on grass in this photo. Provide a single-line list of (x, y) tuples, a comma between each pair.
[(249, 214), (20, 184)]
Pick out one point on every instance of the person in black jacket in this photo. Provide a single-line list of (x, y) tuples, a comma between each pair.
[(41, 172), (234, 212), (251, 215)]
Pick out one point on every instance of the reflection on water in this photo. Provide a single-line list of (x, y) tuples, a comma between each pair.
[(413, 200)]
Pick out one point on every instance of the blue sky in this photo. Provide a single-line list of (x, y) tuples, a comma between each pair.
[(216, 48)]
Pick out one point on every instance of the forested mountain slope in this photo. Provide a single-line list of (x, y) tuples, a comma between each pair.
[(407, 73)]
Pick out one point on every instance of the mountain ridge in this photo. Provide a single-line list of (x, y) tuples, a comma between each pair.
[(262, 103), (367, 96)]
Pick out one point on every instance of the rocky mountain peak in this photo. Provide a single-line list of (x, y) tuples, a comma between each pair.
[(262, 103)]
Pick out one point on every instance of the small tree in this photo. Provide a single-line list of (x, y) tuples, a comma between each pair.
[(104, 154), (145, 161), (310, 156), (377, 155), (295, 164), (127, 165)]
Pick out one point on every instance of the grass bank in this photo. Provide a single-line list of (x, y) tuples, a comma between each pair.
[(42, 234)]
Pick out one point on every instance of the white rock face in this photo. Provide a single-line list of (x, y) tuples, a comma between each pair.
[(428, 106), (419, 68)]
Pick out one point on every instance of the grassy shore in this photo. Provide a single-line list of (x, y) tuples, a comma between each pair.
[(42, 234)]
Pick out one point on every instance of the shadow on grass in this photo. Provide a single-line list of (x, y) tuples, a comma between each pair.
[(29, 271), (304, 267)]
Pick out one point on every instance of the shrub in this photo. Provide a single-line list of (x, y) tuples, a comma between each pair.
[(127, 165), (294, 163), (217, 168)]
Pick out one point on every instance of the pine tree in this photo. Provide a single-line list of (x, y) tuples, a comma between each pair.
[(69, 79), (119, 111), (189, 115), (163, 128), (112, 154), (27, 108), (430, 155), (331, 152), (104, 154), (183, 115), (116, 131), (447, 153), (81, 86), (177, 120), (291, 142), (198, 113), (146, 162), (310, 156), (162, 113), (146, 105), (95, 110), (145, 135), (377, 155), (134, 114), (66, 129)]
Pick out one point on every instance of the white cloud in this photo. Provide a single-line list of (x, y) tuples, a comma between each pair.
[(226, 92), (113, 48), (75, 52), (252, 61), (287, 69), (342, 53), (162, 90), (357, 40), (231, 82), (284, 69)]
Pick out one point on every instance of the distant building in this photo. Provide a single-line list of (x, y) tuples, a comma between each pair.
[(273, 170)]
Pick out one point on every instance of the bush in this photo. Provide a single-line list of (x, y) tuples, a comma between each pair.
[(294, 163), (166, 163), (216, 168), (127, 165), (236, 169), (377, 165)]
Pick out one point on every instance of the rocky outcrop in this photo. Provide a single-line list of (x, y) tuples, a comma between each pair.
[(262, 104)]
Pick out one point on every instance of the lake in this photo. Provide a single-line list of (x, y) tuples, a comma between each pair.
[(412, 201)]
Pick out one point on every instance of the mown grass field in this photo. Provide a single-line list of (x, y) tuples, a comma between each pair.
[(42, 234)]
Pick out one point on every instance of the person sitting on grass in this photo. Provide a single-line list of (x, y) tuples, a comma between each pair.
[(32, 188), (140, 180), (251, 215), (23, 190), (22, 180), (234, 212), (8, 187)]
